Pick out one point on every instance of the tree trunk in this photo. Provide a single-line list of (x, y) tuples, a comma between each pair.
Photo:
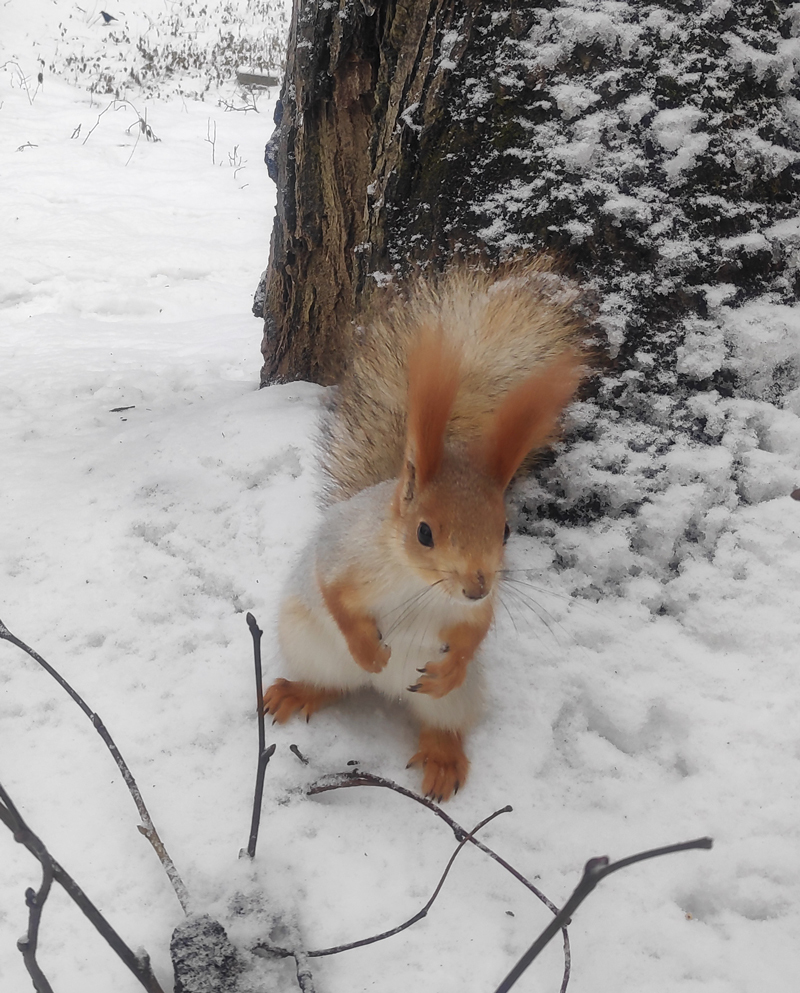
[(653, 146), (361, 87)]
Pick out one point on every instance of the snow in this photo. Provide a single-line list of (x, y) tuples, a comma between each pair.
[(643, 681)]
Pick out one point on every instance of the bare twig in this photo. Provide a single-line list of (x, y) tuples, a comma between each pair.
[(141, 125), (97, 122), (320, 952), (296, 751), (139, 966), (142, 128), (304, 978), (211, 138), (594, 871), (227, 105), (22, 78), (357, 778), (28, 944), (146, 828), (264, 753)]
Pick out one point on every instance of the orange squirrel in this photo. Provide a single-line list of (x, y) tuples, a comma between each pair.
[(452, 382)]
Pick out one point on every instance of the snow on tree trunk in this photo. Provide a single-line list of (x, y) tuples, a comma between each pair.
[(655, 146)]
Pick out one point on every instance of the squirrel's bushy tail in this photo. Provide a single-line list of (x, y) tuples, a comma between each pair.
[(504, 324)]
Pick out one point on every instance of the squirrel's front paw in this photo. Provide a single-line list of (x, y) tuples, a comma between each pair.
[(440, 678), (371, 652)]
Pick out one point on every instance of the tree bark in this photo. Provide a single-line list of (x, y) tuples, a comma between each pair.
[(361, 85), (654, 147)]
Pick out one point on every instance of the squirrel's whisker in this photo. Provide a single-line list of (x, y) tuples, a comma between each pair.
[(529, 604)]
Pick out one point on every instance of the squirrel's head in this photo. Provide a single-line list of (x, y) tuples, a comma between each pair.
[(452, 527), (449, 502)]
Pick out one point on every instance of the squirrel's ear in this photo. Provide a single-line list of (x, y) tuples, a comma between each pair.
[(528, 417), (408, 481), (433, 378)]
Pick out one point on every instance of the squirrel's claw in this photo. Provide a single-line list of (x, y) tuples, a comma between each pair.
[(440, 678), (285, 698), (441, 756)]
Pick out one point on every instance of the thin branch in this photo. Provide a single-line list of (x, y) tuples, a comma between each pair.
[(97, 122), (357, 778), (296, 751), (256, 633), (28, 944), (594, 871), (318, 953), (135, 144), (139, 966), (22, 77), (304, 978), (141, 125), (146, 828), (264, 753), (211, 138)]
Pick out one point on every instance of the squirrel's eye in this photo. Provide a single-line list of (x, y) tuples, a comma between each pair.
[(425, 535), (506, 533)]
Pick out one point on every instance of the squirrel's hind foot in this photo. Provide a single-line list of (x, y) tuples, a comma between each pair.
[(444, 763), (285, 698)]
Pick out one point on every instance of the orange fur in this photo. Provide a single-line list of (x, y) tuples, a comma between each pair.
[(359, 628), (528, 416), (439, 678), (444, 764), (285, 698), (433, 380)]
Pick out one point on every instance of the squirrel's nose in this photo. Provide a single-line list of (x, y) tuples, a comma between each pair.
[(476, 588)]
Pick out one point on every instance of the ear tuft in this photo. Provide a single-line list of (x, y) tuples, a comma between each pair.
[(408, 482), (433, 380), (527, 418)]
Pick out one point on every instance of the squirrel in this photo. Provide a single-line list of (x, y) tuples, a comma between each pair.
[(454, 379)]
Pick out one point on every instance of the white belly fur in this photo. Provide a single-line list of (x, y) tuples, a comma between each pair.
[(410, 620), (409, 613)]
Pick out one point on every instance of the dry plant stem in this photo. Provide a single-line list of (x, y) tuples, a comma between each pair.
[(318, 953), (97, 122), (296, 751), (367, 779), (135, 146), (420, 914), (116, 104), (594, 871), (22, 77), (304, 978), (29, 943), (147, 828), (264, 753), (346, 779), (140, 967)]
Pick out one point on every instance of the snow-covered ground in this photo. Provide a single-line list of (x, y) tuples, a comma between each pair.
[(132, 542)]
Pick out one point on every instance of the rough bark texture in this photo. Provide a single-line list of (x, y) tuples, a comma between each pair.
[(361, 87), (656, 145)]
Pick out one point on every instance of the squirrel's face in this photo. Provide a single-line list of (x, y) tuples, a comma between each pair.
[(453, 531)]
